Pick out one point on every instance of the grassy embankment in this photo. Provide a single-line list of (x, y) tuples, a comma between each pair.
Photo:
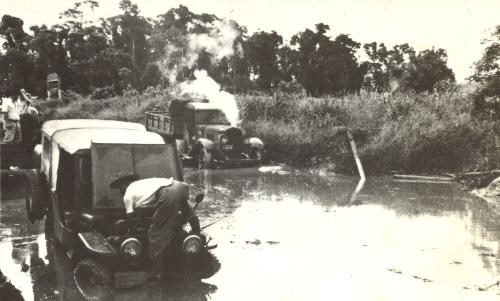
[(422, 133), (129, 107)]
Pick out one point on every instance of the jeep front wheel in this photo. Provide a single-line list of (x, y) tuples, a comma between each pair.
[(204, 159), (206, 265), (36, 195), (93, 280)]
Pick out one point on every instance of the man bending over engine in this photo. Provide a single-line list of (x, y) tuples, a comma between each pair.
[(169, 197)]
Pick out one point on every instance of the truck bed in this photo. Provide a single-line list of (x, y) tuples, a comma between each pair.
[(159, 122)]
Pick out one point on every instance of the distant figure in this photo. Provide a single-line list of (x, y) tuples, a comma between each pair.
[(11, 126), (28, 120)]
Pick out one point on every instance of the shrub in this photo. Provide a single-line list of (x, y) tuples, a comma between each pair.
[(426, 132), (101, 93), (410, 132)]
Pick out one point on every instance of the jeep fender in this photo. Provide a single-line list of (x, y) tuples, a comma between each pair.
[(256, 143), (96, 243)]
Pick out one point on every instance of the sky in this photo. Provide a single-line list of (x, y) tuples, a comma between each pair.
[(458, 26)]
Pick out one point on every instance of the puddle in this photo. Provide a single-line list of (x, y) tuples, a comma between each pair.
[(297, 236)]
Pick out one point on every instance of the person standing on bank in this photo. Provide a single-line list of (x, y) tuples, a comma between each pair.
[(12, 130), (169, 197)]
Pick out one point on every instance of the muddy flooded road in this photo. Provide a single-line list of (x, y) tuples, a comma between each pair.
[(285, 235)]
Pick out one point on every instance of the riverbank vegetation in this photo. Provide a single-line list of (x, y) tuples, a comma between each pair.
[(408, 132), (403, 106)]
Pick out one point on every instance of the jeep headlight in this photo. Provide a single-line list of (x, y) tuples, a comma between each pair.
[(131, 247), (192, 244), (223, 139)]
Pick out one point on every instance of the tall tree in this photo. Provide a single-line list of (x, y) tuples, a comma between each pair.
[(130, 32), (426, 69), (261, 50), (386, 68), (487, 70), (16, 63), (288, 61), (326, 66)]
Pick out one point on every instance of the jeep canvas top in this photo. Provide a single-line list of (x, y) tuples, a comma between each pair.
[(75, 135)]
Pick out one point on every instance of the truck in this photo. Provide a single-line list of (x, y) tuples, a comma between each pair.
[(205, 138)]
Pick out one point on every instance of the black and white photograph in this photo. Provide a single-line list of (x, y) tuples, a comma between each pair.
[(249, 150)]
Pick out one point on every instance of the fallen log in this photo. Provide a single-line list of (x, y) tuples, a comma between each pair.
[(478, 173), (424, 178)]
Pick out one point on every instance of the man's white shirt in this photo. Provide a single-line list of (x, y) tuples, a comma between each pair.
[(141, 193)]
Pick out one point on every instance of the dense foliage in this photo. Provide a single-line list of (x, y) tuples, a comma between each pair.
[(407, 132), (130, 49), (426, 132), (403, 106)]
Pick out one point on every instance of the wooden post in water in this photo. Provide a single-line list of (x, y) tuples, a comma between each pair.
[(355, 153)]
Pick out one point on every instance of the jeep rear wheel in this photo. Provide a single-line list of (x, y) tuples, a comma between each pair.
[(204, 159), (36, 195), (49, 225), (93, 280)]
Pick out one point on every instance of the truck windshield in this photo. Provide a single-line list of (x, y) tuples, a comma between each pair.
[(211, 117)]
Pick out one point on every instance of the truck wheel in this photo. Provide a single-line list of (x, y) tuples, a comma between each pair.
[(256, 154), (204, 159), (36, 195), (93, 280)]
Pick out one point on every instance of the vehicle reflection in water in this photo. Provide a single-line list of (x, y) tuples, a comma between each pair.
[(52, 279), (287, 235)]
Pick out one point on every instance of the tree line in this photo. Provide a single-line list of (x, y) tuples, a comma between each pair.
[(131, 50)]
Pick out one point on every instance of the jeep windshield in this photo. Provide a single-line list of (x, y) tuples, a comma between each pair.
[(109, 161), (211, 117)]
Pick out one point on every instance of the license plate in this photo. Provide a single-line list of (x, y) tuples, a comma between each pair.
[(130, 279), (228, 147)]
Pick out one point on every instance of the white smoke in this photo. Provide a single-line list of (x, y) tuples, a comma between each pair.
[(218, 43), (205, 87)]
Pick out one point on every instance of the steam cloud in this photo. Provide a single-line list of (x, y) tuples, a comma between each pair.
[(219, 43), (205, 87)]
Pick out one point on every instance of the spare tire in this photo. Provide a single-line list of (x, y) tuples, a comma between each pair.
[(36, 195), (93, 280)]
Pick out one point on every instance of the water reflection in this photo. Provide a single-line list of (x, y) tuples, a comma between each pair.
[(286, 235), (433, 233), (53, 280)]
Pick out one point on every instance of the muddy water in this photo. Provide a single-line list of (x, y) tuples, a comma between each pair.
[(294, 236)]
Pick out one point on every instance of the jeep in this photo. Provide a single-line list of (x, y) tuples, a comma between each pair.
[(79, 159)]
